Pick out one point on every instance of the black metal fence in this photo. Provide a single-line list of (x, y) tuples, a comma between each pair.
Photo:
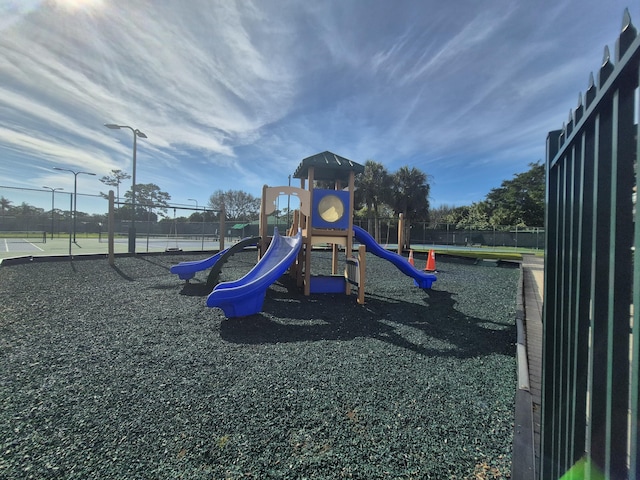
[(472, 235), (424, 233), (591, 329)]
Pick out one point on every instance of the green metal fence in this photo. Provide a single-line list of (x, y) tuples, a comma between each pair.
[(591, 329)]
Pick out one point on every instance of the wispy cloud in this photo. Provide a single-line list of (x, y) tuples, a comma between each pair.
[(235, 94)]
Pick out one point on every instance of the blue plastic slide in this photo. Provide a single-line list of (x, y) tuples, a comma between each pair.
[(245, 296), (421, 279), (187, 270)]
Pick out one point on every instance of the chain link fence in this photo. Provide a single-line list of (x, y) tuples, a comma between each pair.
[(443, 234), (41, 215)]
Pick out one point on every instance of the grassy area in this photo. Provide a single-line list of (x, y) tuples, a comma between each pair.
[(486, 253)]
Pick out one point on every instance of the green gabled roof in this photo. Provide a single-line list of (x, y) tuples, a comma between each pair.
[(328, 166)]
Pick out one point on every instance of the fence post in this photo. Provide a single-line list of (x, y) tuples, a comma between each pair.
[(111, 229)]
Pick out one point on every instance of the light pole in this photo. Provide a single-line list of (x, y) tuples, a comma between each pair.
[(136, 133), (75, 194), (53, 203), (194, 200)]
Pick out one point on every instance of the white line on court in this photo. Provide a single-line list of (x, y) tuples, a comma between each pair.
[(34, 246)]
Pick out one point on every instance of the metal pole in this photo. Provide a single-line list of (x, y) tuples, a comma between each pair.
[(194, 200), (53, 206), (136, 133), (111, 228), (71, 210), (148, 227), (53, 203), (132, 229), (74, 198), (75, 203)]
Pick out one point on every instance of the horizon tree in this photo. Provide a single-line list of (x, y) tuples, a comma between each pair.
[(410, 196), (373, 188), (149, 196), (236, 204), (5, 203), (440, 214), (114, 180), (519, 201)]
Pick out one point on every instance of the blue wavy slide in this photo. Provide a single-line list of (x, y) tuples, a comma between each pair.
[(420, 278), (245, 296), (187, 270)]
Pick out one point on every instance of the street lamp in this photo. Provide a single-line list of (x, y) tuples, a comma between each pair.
[(53, 202), (136, 133), (75, 194), (194, 200)]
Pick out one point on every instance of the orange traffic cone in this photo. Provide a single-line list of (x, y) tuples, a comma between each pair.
[(431, 261), (411, 261)]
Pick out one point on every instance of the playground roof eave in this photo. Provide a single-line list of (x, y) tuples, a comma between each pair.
[(240, 226), (328, 166)]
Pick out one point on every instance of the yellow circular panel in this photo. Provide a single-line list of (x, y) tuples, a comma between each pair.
[(331, 208)]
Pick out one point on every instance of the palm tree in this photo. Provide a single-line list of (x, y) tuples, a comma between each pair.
[(373, 188), (5, 203), (411, 197)]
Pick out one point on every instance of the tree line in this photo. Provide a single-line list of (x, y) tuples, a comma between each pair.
[(517, 202), (379, 194)]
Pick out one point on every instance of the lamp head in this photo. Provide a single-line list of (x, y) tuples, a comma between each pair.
[(112, 126)]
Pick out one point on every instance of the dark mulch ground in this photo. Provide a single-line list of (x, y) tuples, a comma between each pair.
[(125, 373)]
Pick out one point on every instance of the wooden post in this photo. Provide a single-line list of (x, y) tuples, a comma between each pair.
[(355, 273), (110, 229), (335, 250), (264, 224), (362, 262), (400, 233), (349, 246), (222, 227), (334, 258), (307, 258)]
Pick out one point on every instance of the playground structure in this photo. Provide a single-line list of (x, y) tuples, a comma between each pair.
[(324, 219)]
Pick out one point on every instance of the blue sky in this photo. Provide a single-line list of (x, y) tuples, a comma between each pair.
[(234, 94)]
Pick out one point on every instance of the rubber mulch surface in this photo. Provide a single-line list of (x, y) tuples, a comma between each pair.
[(124, 373)]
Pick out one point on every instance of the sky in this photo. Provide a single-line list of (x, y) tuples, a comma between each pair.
[(232, 95)]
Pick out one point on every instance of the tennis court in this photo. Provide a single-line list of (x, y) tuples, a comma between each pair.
[(15, 245), (35, 244)]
